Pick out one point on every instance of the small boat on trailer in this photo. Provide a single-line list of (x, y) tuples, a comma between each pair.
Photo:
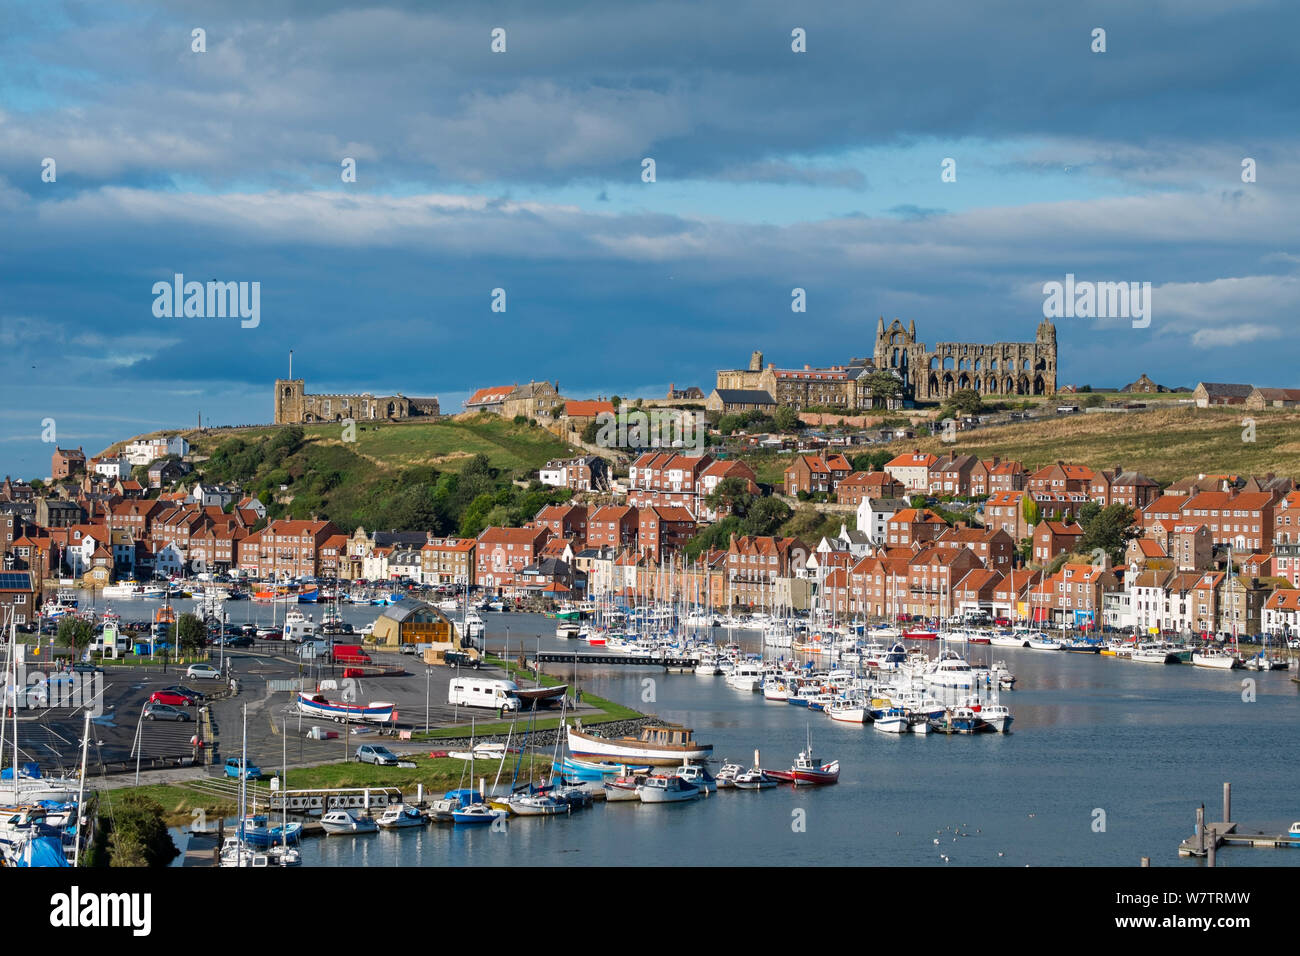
[(318, 705)]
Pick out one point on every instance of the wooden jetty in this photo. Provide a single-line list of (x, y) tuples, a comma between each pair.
[(1210, 836), (644, 660)]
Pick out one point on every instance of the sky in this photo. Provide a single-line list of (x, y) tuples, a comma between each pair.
[(523, 170)]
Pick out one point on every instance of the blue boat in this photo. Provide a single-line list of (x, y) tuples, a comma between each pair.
[(256, 832)]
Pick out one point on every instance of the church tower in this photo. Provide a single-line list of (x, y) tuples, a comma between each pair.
[(290, 400)]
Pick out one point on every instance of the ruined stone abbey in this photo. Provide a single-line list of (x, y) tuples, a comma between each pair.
[(932, 374), (294, 406)]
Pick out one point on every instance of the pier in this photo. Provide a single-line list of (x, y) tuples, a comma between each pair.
[(668, 663), (1210, 836)]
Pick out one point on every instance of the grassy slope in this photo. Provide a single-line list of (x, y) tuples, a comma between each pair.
[(1165, 444), (447, 444)]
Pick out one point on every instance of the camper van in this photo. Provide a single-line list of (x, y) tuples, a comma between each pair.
[(299, 629), (482, 692)]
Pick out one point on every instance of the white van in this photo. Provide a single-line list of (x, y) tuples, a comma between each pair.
[(483, 692), (299, 631)]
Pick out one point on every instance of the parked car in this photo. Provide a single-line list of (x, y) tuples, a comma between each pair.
[(202, 672), (156, 711), (235, 766), (240, 641), (172, 698), (373, 753), (84, 667)]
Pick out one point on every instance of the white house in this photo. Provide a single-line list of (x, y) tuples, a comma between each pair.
[(209, 494), (874, 515), (149, 450), (374, 566), (1117, 610), (113, 467)]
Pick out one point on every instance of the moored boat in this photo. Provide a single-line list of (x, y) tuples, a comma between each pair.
[(657, 745)]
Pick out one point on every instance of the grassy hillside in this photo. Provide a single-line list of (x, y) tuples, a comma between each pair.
[(1166, 444), (446, 444), (451, 476)]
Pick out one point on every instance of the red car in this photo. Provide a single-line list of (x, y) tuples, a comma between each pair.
[(171, 698)]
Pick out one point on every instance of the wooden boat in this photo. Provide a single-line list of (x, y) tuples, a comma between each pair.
[(623, 788), (659, 745)]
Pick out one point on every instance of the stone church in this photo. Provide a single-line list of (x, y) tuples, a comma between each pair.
[(1004, 368), (294, 406)]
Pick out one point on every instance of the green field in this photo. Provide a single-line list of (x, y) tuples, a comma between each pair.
[(446, 444), (1165, 444)]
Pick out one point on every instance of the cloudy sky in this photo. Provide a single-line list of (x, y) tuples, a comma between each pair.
[(522, 170)]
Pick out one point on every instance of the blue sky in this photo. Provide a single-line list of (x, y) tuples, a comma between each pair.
[(522, 170)]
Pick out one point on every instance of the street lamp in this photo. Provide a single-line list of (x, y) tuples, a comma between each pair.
[(428, 673)]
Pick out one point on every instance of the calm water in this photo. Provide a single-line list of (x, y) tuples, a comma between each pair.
[(1144, 743)]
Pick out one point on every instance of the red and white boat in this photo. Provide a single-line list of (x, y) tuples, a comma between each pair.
[(316, 705), (807, 770), (920, 634)]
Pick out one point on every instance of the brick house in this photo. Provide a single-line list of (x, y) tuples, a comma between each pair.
[(814, 474), (1118, 486), (66, 463), (913, 526), (663, 530), (612, 526), (861, 485), (1062, 477), (912, 470), (502, 553), (755, 563), (1054, 537)]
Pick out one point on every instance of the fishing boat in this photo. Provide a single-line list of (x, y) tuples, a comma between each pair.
[(657, 745), (285, 856), (807, 770), (622, 788), (343, 822), (1154, 653), (234, 854), (376, 712), (726, 777), (1216, 658), (398, 816), (891, 721), (997, 716), (256, 832), (536, 804), (962, 720), (755, 779), (478, 814), (658, 788), (847, 711), (699, 776), (1008, 639)]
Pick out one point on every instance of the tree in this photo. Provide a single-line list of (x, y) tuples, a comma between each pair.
[(917, 501), (716, 535), (1110, 530), (1093, 401), (1025, 549), (1087, 513), (787, 419), (766, 516), (965, 401), (882, 386), (732, 495), (76, 633), (137, 833), (189, 633), (1030, 511), (590, 431)]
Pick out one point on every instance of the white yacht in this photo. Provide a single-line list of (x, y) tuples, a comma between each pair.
[(1216, 658), (746, 676), (950, 670), (346, 822)]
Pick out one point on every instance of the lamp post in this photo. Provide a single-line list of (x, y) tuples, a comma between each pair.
[(428, 673), (138, 746)]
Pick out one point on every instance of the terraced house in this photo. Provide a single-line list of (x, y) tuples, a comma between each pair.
[(288, 548), (814, 474), (755, 563)]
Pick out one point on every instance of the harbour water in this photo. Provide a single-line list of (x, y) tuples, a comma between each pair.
[(1106, 763)]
